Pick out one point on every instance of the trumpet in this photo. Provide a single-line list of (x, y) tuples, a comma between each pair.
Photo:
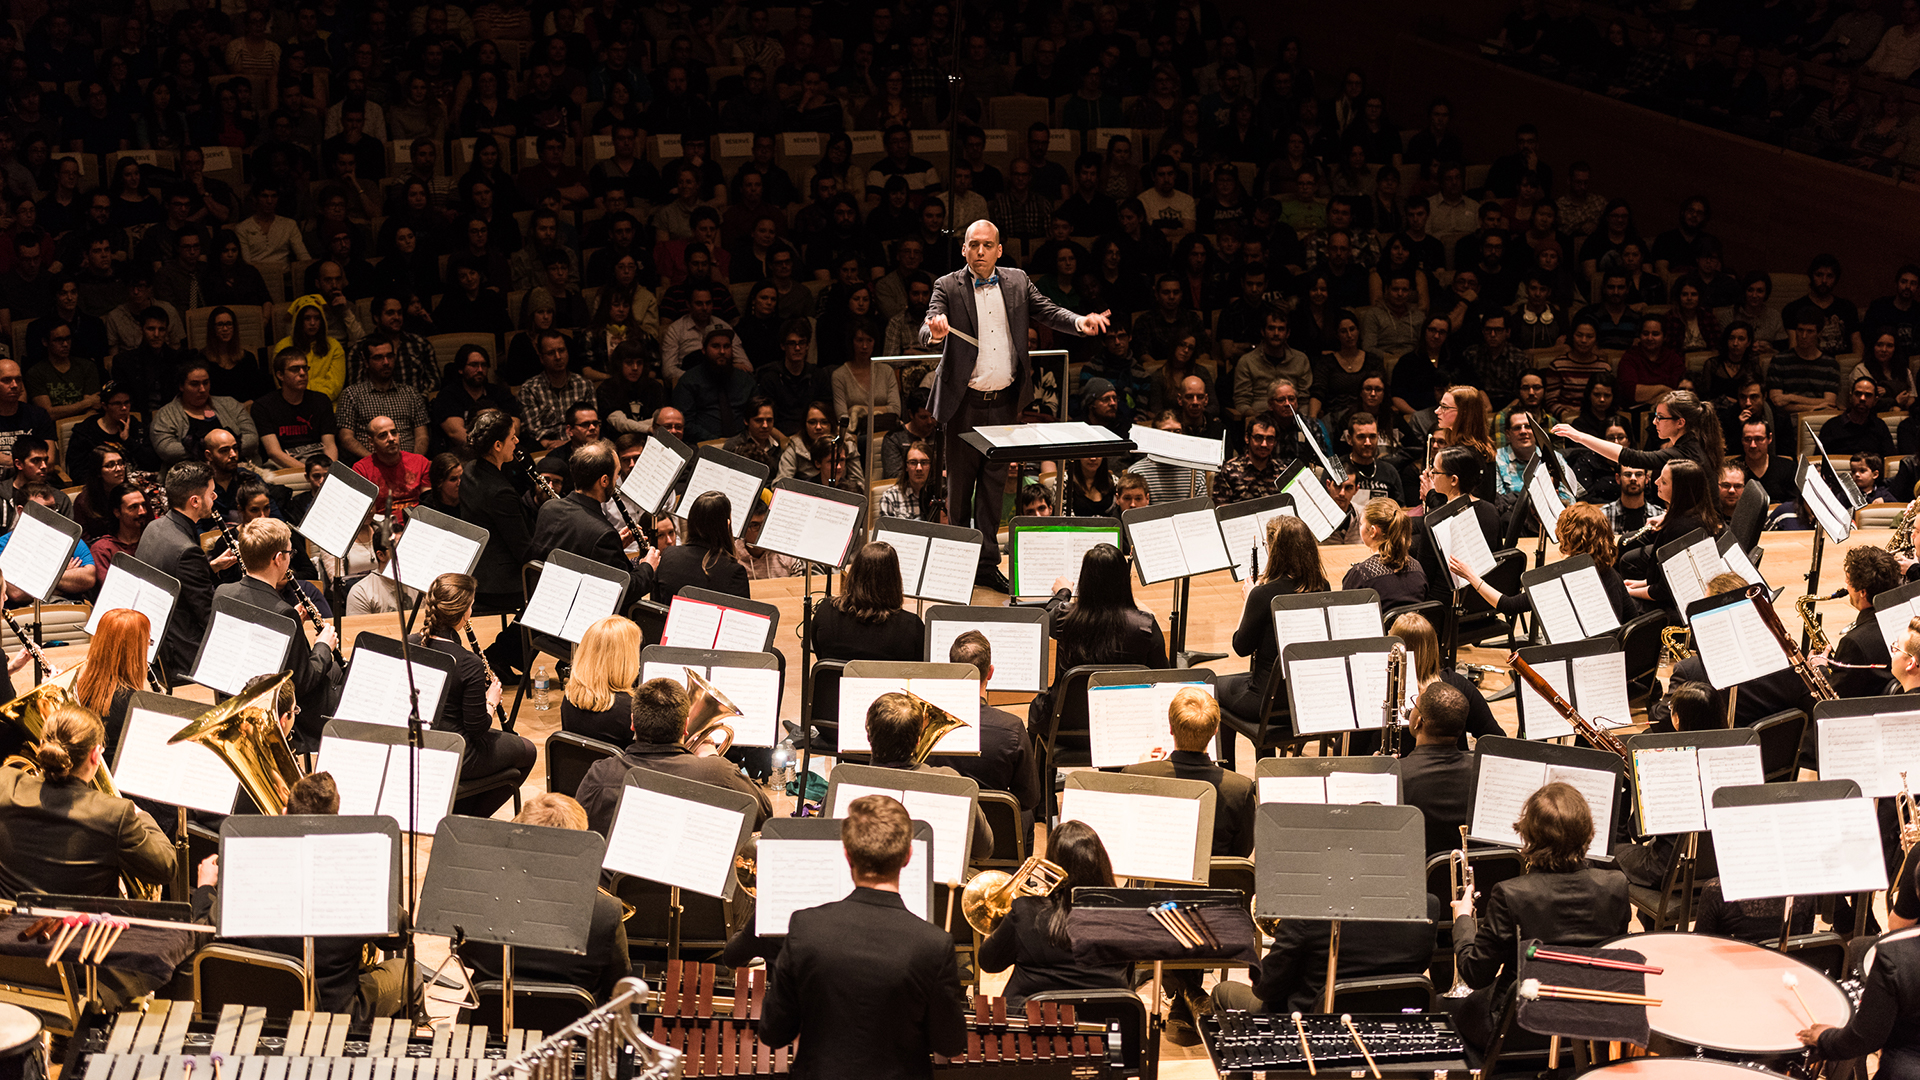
[(707, 716), (1678, 641), (1460, 873), (991, 893), (1908, 814)]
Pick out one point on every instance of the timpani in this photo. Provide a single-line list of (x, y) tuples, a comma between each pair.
[(22, 1050), (1679, 1068), (1723, 998)]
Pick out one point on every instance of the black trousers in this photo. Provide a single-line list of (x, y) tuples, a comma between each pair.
[(975, 490), (487, 753)]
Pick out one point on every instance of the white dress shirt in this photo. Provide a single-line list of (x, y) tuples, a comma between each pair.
[(994, 368)]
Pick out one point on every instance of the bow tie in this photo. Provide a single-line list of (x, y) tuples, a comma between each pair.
[(994, 280)]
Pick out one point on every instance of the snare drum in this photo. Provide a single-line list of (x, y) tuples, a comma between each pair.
[(1722, 998), (1679, 1068), (22, 1051)]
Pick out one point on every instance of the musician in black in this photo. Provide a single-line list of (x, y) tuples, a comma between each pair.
[(489, 499), (577, 523), (1888, 1019), (1033, 937), (1436, 776), (894, 723), (869, 988), (1006, 758), (171, 544), (1858, 670), (472, 698), (659, 726), (266, 551), (1559, 900)]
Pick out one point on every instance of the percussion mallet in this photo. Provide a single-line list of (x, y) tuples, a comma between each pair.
[(217, 1059), (1535, 952), (1347, 1019), (186, 1068), (1301, 1028), (1792, 982), (953, 890), (69, 927), (1533, 990)]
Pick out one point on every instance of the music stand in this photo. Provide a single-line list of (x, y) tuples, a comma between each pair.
[(285, 901), (333, 517), (824, 884), (943, 787), (501, 883), (38, 549), (765, 729), (1500, 813), (649, 803), (1550, 588), (1335, 622), (188, 775), (938, 684), (1116, 804), (1139, 729), (1310, 500), (1311, 860), (564, 604), (1688, 853), (143, 589), (1552, 725), (663, 460), (738, 478), (393, 775), (238, 625), (721, 638), (1018, 636), (812, 523), (936, 560), (1830, 517), (1831, 877), (432, 544), (1192, 532), (1075, 536), (367, 696), (1361, 698), (1243, 525), (1321, 768), (1004, 445), (1746, 650), (1892, 610)]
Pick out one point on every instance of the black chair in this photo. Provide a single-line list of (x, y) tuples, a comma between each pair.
[(1383, 994), (650, 617), (537, 1006), (1671, 904), (482, 785), (705, 923), (226, 974), (826, 677), (1825, 951), (1231, 872), (1068, 716), (1780, 737), (569, 756), (1271, 733), (1009, 838), (1639, 638), (1432, 610)]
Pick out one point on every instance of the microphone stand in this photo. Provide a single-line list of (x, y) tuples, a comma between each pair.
[(416, 990)]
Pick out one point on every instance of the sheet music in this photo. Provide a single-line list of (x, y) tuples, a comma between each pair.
[(1597, 787), (1147, 836), (1299, 626), (261, 886), (1737, 561), (741, 489), (911, 550), (951, 817), (1156, 550), (951, 565), (1835, 519), (674, 841), (348, 883), (1798, 849), (691, 624), (1019, 648), (756, 693), (1460, 537), (237, 650), (1735, 644), (1009, 434), (424, 552), (742, 631), (552, 598), (800, 874), (1591, 604), (318, 885), (961, 697), (1871, 751), (1314, 506), (35, 555), (1727, 766), (1292, 789), (1893, 619), (1200, 541), (1362, 787), (1047, 552), (1689, 571), (358, 769), (594, 599), (1600, 689), (1128, 724), (184, 774), (1245, 533), (1175, 447), (1322, 699), (123, 589), (1354, 620), (1545, 500), (1501, 793), (809, 527), (1667, 789), (1542, 720), (376, 690), (1556, 611), (439, 779), (653, 476), (335, 516), (1368, 672)]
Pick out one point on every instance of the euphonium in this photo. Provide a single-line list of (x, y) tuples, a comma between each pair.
[(24, 719), (245, 732), (934, 727), (1816, 637), (990, 895), (1678, 641), (707, 717)]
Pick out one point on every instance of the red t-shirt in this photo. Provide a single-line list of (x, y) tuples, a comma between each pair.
[(401, 484)]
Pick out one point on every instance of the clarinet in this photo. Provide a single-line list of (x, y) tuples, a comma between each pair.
[(639, 537), (26, 640), (305, 603), (473, 643), (232, 533), (533, 473)]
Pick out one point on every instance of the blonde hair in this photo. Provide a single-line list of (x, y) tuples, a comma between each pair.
[(1194, 717), (1396, 532), (260, 540), (69, 738), (1423, 646), (607, 662), (553, 811)]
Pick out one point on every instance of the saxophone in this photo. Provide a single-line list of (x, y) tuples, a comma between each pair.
[(1816, 636), (1678, 641), (1901, 546)]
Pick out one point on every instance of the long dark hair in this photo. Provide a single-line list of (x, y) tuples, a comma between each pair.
[(1104, 607), (1693, 495), (1077, 849), (710, 525), (1292, 555), (1702, 426), (872, 584)]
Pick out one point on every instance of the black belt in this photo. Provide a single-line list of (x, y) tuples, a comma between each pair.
[(987, 397)]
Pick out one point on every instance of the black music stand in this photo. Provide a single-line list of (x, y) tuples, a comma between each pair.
[(1805, 791), (1551, 577), (930, 782), (721, 658), (500, 883), (1006, 453), (230, 607), (902, 673), (400, 570), (146, 579), (1687, 855), (1208, 561), (369, 642), (1312, 859), (661, 445), (1183, 676), (1380, 764), (189, 797), (927, 532), (66, 533), (1250, 536), (351, 502), (1362, 707), (1012, 629), (824, 831), (740, 495), (1567, 652), (1551, 754), (1299, 483), (1020, 527), (626, 850)]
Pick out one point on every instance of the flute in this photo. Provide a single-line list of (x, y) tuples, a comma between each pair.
[(473, 643)]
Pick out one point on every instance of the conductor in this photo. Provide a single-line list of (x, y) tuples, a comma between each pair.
[(983, 373)]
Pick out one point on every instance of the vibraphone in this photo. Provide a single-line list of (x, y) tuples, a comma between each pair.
[(1406, 1045), (158, 1044), (718, 1035)]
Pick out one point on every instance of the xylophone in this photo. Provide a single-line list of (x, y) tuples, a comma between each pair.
[(1409, 1045), (166, 1042), (718, 1034)]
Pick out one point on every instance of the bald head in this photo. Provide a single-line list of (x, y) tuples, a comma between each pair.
[(384, 436), (982, 248)]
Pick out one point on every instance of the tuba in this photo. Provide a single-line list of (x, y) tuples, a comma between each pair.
[(707, 717), (1678, 641), (244, 731), (936, 722), (990, 895)]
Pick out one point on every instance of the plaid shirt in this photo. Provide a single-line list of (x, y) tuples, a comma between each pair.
[(898, 501), (1366, 246), (1027, 218), (546, 407), (1241, 479), (413, 362), (924, 82), (362, 401)]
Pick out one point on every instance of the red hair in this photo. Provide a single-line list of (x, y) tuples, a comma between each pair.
[(116, 658)]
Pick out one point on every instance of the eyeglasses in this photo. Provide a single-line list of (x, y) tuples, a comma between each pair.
[(587, 424), (1664, 416)]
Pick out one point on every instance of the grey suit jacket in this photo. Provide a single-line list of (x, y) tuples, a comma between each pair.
[(953, 297), (171, 544)]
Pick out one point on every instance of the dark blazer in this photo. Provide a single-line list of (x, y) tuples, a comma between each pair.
[(1576, 907), (600, 789), (1005, 761), (1294, 973), (870, 988), (1439, 781), (1861, 644), (613, 724), (1232, 812), (336, 960), (171, 544), (839, 636), (489, 499), (953, 296), (63, 836), (680, 567), (1888, 1019), (1038, 964), (574, 523), (317, 674), (606, 961), (982, 832)]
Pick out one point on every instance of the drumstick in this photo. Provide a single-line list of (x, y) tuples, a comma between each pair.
[(1792, 982), (1535, 952), (1347, 1019), (1533, 989), (1304, 1048)]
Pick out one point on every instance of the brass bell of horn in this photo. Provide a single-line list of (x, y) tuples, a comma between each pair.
[(707, 717), (244, 732), (991, 893)]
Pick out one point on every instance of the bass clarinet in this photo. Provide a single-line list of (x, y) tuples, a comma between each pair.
[(499, 711)]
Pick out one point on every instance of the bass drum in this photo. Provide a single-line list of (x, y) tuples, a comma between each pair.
[(1728, 999), (23, 1052)]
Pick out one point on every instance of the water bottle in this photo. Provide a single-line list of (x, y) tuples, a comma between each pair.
[(541, 684)]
